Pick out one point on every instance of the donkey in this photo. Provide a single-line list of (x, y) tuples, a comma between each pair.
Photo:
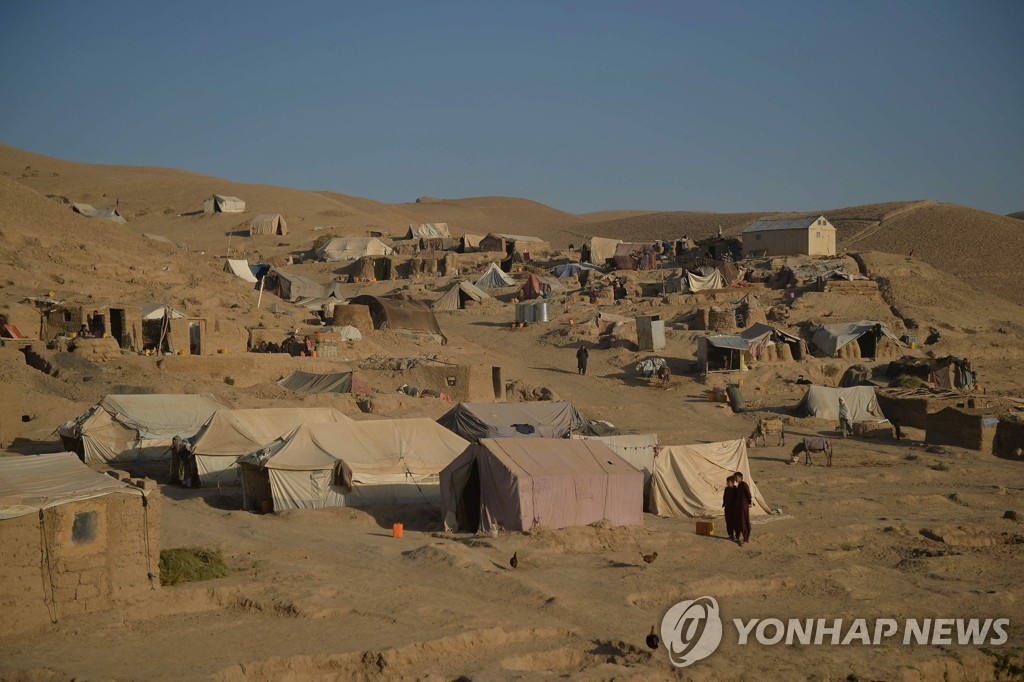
[(809, 445), (764, 428)]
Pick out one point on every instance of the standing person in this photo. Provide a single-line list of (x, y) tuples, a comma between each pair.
[(728, 498), (179, 448), (844, 418), (741, 505), (582, 355)]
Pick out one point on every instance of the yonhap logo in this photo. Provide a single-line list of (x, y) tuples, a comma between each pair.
[(691, 630)]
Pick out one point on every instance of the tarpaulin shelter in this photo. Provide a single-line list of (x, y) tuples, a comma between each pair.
[(293, 286), (90, 212), (428, 231), (536, 419), (688, 480), (218, 203), (351, 248), (268, 223), (239, 268), (571, 269), (126, 428), (831, 338), (230, 434), (471, 243), (508, 243), (602, 250), (158, 311), (721, 352), (759, 336), (633, 256), (334, 382), (637, 449), (458, 295), (351, 464), (494, 278), (407, 316), (823, 402), (532, 288), (519, 484), (704, 282)]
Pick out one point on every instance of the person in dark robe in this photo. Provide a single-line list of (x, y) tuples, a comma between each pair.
[(582, 355), (728, 498), (741, 505)]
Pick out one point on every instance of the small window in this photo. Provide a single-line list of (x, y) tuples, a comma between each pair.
[(758, 236), (84, 528), (821, 222), (67, 315), (817, 234), (451, 381)]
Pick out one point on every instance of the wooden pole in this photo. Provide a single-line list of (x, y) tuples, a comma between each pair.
[(260, 299)]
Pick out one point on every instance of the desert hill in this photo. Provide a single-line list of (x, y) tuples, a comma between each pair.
[(1019, 215)]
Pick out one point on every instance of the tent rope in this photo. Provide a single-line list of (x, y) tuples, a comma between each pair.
[(46, 570), (149, 554)]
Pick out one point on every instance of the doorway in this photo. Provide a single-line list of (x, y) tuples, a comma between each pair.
[(195, 337), (117, 329), (497, 383)]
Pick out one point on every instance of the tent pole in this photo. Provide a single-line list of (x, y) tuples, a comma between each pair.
[(260, 298)]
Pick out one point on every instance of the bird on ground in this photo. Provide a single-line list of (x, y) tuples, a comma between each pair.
[(653, 640), (514, 561), (649, 558)]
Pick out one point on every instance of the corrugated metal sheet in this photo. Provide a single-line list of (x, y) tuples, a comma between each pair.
[(787, 224)]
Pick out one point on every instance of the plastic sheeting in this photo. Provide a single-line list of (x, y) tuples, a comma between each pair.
[(239, 268), (403, 315), (830, 338), (602, 250), (707, 282), (524, 484), (390, 461), (823, 402), (540, 419), (689, 479), (633, 256), (230, 434), (30, 483), (307, 382)]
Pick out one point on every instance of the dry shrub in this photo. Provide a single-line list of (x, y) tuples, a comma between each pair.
[(908, 381), (191, 564)]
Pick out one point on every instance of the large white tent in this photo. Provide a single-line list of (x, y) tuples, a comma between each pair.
[(352, 464), (689, 479), (823, 402), (353, 248), (240, 268), (230, 434)]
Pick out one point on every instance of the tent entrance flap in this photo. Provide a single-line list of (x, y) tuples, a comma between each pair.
[(467, 510)]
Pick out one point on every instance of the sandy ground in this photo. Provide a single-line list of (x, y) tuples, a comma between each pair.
[(889, 531)]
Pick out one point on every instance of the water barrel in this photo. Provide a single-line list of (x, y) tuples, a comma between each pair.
[(524, 311), (540, 311), (735, 398)]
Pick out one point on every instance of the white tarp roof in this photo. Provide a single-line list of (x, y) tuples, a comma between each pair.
[(157, 311), (637, 449), (353, 248), (239, 268), (494, 278), (689, 479), (823, 402), (830, 338), (233, 433), (602, 249), (428, 231), (29, 483), (705, 282)]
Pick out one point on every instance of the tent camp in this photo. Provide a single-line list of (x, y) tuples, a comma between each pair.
[(688, 479), (494, 278), (602, 250), (126, 428), (335, 382), (292, 287), (352, 248), (830, 339), (520, 484), (637, 449), (218, 203), (458, 295), (229, 434), (408, 316), (630, 256), (823, 402), (540, 419), (239, 267), (428, 231), (268, 223), (89, 212), (351, 464)]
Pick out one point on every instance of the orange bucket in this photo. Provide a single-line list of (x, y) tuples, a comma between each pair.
[(396, 530), (313, 354)]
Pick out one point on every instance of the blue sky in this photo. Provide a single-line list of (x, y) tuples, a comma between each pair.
[(724, 106)]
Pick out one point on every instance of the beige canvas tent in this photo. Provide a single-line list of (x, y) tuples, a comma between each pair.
[(458, 295), (471, 243), (637, 449), (218, 203), (239, 267), (823, 402), (230, 434), (428, 231), (268, 223), (494, 278), (352, 248), (602, 250), (128, 428), (688, 480), (352, 464), (524, 483), (294, 286), (873, 339)]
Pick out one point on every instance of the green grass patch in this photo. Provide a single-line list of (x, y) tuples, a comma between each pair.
[(191, 564)]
